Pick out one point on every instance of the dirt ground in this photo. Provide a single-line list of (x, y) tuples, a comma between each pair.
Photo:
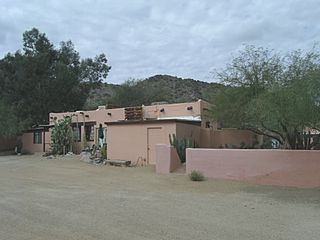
[(68, 199)]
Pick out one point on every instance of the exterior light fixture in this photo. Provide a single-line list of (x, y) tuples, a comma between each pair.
[(162, 110), (109, 113), (189, 108), (86, 116)]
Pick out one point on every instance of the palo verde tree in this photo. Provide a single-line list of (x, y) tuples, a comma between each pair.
[(43, 78), (275, 96)]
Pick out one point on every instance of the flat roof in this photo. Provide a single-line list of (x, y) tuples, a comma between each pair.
[(97, 109), (184, 118), (147, 121)]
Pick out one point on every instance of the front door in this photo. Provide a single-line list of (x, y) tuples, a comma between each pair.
[(104, 133), (155, 136)]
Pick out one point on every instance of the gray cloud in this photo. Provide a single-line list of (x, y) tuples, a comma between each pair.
[(179, 37)]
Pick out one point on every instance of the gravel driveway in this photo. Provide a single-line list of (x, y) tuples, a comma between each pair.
[(68, 199)]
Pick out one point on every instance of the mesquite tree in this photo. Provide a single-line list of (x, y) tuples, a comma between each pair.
[(43, 78)]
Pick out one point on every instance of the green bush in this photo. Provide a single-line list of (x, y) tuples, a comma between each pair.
[(196, 176), (62, 136)]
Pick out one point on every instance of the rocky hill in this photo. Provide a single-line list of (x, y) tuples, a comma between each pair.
[(156, 88)]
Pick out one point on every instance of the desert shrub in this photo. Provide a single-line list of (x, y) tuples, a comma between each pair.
[(196, 176)]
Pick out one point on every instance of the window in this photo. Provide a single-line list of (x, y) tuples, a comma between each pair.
[(37, 137), (89, 130), (76, 133)]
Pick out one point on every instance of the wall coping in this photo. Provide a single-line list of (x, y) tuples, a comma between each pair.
[(252, 150)]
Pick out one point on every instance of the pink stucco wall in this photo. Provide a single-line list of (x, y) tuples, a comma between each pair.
[(211, 138), (269, 167), (167, 159), (28, 145), (173, 110), (98, 116), (234, 137), (47, 141), (149, 112), (130, 141)]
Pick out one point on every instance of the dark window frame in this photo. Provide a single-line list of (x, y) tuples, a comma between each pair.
[(89, 134), (74, 127), (37, 137)]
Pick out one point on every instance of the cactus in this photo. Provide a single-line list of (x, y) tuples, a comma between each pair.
[(181, 145)]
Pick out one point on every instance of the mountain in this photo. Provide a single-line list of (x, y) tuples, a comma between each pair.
[(157, 88)]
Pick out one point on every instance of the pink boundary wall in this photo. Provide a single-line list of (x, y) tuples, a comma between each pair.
[(167, 159), (296, 168)]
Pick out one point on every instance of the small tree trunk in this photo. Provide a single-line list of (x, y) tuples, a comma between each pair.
[(291, 141)]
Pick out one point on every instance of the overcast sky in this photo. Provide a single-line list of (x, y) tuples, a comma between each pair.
[(141, 38)]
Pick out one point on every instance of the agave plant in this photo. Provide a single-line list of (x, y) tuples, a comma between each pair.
[(181, 145)]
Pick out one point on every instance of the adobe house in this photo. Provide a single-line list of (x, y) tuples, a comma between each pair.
[(135, 129), (136, 140), (132, 133), (36, 139), (86, 123)]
